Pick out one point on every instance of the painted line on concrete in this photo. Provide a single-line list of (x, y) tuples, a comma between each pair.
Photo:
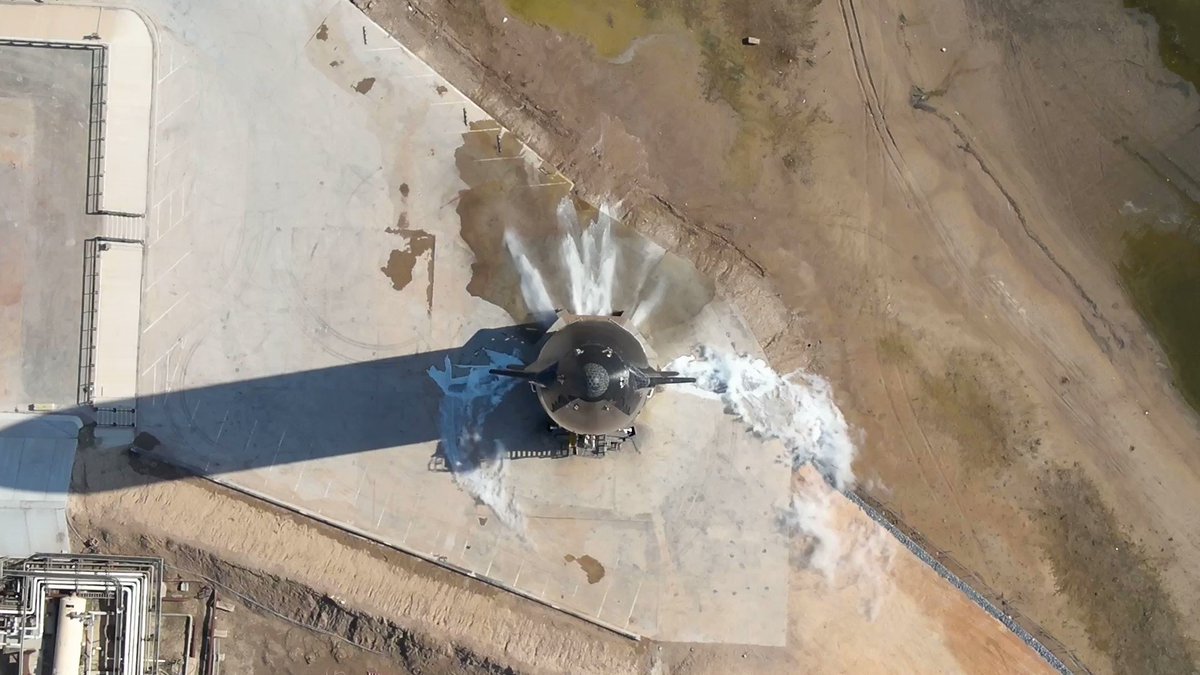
[(160, 358), (182, 216), (600, 609), (246, 447), (275, 457), (221, 429), (177, 108), (636, 594), (358, 491), (164, 314), (169, 269), (174, 146)]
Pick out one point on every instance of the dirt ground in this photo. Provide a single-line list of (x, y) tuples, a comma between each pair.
[(926, 203), (313, 599)]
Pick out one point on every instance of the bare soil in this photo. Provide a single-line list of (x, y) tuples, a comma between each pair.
[(928, 205), (314, 599)]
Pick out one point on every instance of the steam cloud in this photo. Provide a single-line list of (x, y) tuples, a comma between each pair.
[(469, 394), (798, 410)]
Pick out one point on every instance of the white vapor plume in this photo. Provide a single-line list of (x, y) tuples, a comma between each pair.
[(591, 262), (533, 284), (797, 409), (852, 553), (588, 259), (479, 465)]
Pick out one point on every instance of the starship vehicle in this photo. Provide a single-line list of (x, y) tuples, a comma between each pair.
[(592, 376)]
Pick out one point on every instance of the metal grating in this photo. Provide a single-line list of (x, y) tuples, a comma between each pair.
[(116, 417)]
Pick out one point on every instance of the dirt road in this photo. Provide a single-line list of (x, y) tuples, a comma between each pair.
[(932, 206)]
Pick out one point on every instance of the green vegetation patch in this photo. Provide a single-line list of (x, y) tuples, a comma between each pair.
[(961, 403), (1110, 580)]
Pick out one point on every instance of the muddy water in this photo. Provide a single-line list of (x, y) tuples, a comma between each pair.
[(1179, 34), (1161, 270), (509, 196), (609, 26)]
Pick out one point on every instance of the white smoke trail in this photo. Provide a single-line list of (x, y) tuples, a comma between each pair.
[(479, 465), (797, 409)]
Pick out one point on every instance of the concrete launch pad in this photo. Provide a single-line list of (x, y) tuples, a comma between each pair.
[(314, 225), (43, 169)]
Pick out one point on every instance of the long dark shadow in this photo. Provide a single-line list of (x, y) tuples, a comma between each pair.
[(313, 414)]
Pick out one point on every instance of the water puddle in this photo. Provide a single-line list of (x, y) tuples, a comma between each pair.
[(1160, 268), (609, 26), (1178, 36)]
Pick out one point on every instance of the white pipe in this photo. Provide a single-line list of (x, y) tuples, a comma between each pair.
[(68, 641)]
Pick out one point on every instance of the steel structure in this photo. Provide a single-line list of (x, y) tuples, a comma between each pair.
[(123, 601), (592, 376)]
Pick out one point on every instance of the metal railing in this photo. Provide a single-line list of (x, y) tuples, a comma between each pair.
[(87, 325), (96, 128)]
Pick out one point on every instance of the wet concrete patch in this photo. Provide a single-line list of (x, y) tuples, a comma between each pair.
[(402, 262), (511, 202), (364, 85), (503, 192), (590, 566)]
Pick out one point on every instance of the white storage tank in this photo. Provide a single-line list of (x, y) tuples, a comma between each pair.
[(68, 642)]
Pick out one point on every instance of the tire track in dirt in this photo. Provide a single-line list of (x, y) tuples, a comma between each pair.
[(871, 99)]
